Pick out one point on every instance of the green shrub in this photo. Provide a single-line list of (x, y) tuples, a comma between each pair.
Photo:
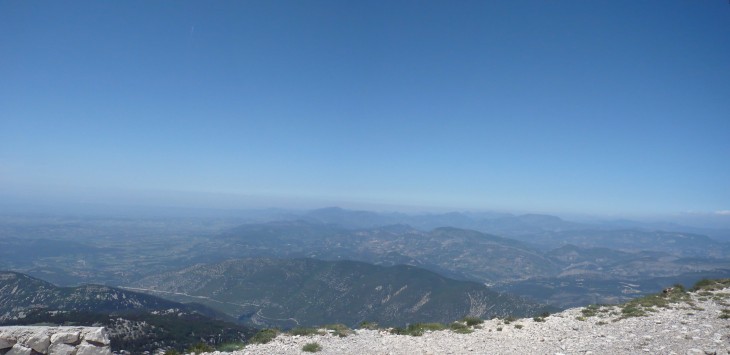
[(725, 314), (711, 285), (304, 331), (472, 321), (499, 329), (639, 306), (509, 320), (171, 352), (418, 329), (538, 319), (458, 325), (369, 325), (230, 347), (340, 330), (200, 348), (463, 331), (311, 347), (632, 311), (264, 336), (518, 326), (590, 310)]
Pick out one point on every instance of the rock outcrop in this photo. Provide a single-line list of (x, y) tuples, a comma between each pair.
[(31, 340)]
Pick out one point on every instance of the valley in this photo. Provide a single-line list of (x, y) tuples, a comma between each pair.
[(542, 259)]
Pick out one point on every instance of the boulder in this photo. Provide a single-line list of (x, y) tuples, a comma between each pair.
[(18, 349), (39, 341), (89, 349), (61, 349), (6, 342), (98, 336), (65, 338)]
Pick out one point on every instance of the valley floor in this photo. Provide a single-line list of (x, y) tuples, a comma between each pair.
[(697, 327)]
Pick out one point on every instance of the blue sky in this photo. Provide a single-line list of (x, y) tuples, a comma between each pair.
[(607, 107)]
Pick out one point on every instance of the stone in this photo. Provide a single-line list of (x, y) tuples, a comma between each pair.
[(88, 349), (98, 336), (18, 349), (61, 349), (6, 342), (39, 342), (65, 338)]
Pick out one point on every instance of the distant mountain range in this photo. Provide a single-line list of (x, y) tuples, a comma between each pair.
[(540, 229), (496, 261), (539, 256), (307, 292), (452, 252)]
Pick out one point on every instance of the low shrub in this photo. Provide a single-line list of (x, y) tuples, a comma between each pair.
[(340, 330), (200, 348), (264, 336), (230, 347), (304, 331), (590, 310), (725, 314), (472, 321), (311, 347), (459, 327), (711, 285), (369, 325), (418, 329)]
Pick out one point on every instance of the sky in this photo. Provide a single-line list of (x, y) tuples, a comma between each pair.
[(606, 107)]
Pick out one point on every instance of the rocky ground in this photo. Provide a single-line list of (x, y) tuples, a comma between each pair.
[(699, 324)]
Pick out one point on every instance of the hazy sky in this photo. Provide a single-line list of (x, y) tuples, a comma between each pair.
[(576, 106)]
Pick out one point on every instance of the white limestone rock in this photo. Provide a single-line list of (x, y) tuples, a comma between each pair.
[(65, 338), (89, 349), (61, 349), (6, 341), (18, 349), (98, 336), (39, 341)]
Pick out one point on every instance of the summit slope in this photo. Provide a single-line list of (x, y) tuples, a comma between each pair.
[(697, 324)]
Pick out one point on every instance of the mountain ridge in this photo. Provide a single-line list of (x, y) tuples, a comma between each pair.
[(308, 292)]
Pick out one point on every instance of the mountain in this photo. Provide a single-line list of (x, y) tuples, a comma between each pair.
[(566, 257), (543, 230), (676, 243), (21, 293), (453, 252), (299, 292), (526, 225), (137, 322), (352, 219), (494, 223), (568, 275), (672, 322)]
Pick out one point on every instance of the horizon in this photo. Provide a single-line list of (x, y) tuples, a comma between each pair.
[(569, 108), (197, 205)]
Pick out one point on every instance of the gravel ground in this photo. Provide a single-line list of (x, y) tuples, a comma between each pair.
[(681, 329)]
